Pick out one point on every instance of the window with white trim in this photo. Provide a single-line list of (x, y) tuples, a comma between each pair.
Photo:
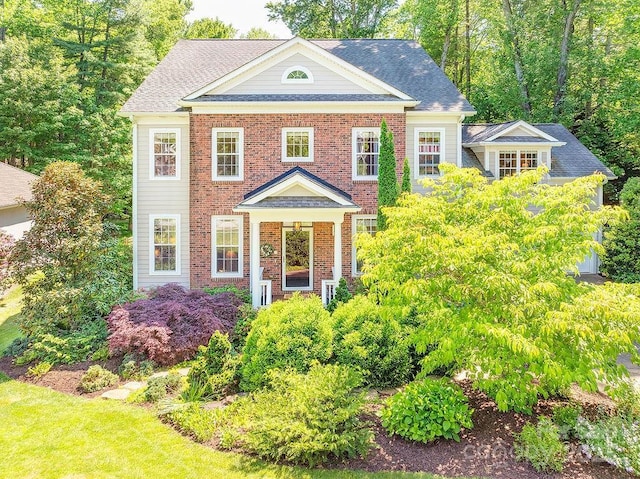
[(164, 156), (362, 224), (228, 153), (227, 246), (165, 244), (516, 161), (297, 74), (366, 149), (428, 151), (297, 144)]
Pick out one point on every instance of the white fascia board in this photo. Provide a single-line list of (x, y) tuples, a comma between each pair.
[(269, 215), (297, 180), (298, 107), (455, 116), (285, 50), (530, 128), (519, 145), (181, 118)]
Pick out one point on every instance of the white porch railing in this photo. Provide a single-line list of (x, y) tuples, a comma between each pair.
[(265, 292), (328, 290)]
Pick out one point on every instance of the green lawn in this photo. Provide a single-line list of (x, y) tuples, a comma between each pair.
[(46, 434), (10, 306)]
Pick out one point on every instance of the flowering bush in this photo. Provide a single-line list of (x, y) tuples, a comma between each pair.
[(169, 326), (615, 440)]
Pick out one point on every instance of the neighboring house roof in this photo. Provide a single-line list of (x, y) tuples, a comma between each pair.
[(570, 160), (193, 64), (15, 184)]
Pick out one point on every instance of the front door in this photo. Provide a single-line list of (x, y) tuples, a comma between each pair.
[(297, 261)]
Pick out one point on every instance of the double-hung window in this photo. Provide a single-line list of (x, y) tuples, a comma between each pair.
[(164, 155), (227, 246), (297, 144), (366, 149), (228, 154), (362, 224), (428, 152), (165, 244)]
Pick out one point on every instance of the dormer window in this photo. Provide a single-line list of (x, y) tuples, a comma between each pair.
[(297, 74), (516, 161)]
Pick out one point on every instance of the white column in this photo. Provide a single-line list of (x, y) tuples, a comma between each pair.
[(254, 253), (337, 249)]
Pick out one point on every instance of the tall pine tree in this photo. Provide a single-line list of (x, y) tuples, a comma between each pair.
[(387, 179)]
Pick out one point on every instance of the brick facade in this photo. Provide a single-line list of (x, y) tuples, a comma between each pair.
[(262, 162)]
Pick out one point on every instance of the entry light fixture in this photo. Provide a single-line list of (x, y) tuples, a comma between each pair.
[(297, 225)]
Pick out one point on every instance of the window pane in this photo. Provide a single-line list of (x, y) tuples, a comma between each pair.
[(227, 245), (367, 150), (508, 161), (165, 240), (429, 148), (297, 75), (165, 154), (227, 153), (528, 160), (297, 144)]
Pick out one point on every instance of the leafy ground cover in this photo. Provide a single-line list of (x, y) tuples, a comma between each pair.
[(10, 306), (49, 434)]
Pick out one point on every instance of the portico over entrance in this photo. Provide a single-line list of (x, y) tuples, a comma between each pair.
[(293, 220)]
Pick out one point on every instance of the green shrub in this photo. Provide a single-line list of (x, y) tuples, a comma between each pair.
[(302, 418), (627, 398), (160, 387), (371, 342), (69, 348), (243, 294), (39, 370), (212, 374), (193, 420), (614, 439), (17, 347), (246, 316), (541, 446), (621, 242), (342, 296), (426, 410), (131, 368), (566, 418), (97, 378), (286, 335)]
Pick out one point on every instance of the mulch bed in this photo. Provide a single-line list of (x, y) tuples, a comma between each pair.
[(64, 378), (485, 451)]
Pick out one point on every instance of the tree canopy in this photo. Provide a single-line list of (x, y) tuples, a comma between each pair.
[(483, 267)]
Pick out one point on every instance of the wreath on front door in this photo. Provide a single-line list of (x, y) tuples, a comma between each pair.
[(266, 250)]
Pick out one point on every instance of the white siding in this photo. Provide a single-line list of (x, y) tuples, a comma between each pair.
[(15, 221), (161, 197), (270, 81), (450, 143)]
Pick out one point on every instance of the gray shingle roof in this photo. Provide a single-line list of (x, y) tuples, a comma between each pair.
[(568, 161), (14, 184), (193, 64), (470, 160), (297, 202), (475, 133)]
